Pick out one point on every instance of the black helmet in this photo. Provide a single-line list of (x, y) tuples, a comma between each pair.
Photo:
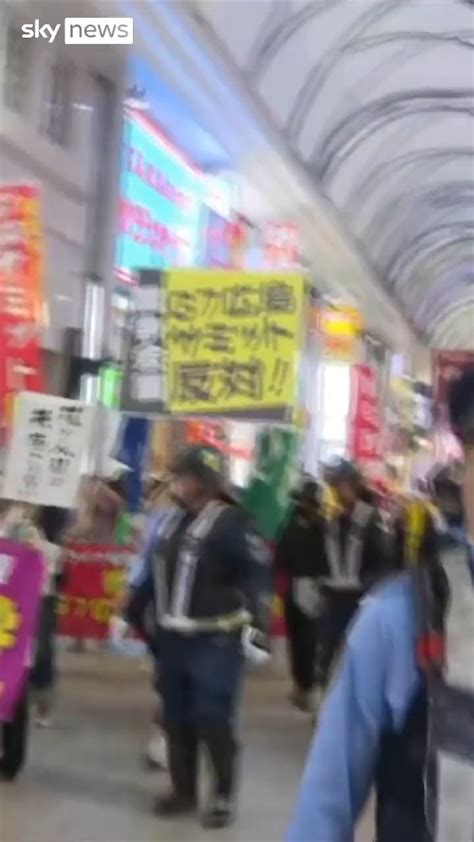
[(342, 470), (307, 491), (204, 463)]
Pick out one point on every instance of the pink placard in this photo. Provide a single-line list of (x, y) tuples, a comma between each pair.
[(21, 577)]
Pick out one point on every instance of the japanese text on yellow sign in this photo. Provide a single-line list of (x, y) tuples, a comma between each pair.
[(232, 340)]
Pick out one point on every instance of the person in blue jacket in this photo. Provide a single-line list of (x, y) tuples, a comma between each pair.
[(374, 690), (399, 715)]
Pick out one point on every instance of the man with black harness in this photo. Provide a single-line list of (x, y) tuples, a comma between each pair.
[(355, 555), (212, 583), (400, 714)]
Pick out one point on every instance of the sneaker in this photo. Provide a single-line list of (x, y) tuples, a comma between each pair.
[(171, 805), (219, 815)]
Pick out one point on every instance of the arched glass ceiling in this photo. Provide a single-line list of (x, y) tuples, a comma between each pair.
[(376, 98)]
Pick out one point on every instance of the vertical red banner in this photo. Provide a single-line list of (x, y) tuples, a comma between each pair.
[(21, 292), (365, 425)]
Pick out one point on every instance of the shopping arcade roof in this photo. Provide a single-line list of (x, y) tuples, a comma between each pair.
[(376, 98)]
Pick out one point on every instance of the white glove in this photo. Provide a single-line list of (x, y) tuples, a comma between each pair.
[(118, 629), (122, 640), (255, 646)]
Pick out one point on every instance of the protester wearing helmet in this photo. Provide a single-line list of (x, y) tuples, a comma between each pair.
[(356, 555), (212, 581), (400, 714)]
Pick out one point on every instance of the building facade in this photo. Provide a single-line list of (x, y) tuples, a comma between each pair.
[(60, 129)]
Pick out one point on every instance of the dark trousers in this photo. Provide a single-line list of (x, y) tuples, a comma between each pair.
[(13, 740), (200, 680), (335, 621), (302, 641), (43, 674)]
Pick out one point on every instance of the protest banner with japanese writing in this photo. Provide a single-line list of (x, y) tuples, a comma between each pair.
[(144, 386), (49, 439), (21, 577), (95, 576), (22, 300), (232, 341)]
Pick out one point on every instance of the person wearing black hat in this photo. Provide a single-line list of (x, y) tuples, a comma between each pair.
[(356, 554), (212, 582), (301, 555)]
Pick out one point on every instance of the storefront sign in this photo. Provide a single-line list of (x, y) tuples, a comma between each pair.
[(21, 576), (232, 341), (365, 424), (160, 201), (219, 242), (210, 433), (216, 434), (95, 576), (221, 195), (49, 439), (339, 329), (281, 245), (22, 300)]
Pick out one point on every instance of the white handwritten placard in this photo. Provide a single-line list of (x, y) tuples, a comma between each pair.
[(49, 438)]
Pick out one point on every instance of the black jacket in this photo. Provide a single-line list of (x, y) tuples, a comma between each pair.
[(300, 552), (376, 559), (229, 572)]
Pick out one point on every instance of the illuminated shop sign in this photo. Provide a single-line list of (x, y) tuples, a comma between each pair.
[(160, 201)]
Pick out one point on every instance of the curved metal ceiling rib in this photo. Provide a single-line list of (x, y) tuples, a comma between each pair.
[(364, 121), (445, 304), (406, 260), (448, 261), (321, 71), (425, 162), (434, 203), (376, 100), (279, 30), (454, 324), (317, 78)]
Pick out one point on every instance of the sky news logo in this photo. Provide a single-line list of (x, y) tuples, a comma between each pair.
[(83, 31)]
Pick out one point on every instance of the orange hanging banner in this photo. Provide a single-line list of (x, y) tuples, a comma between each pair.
[(22, 299)]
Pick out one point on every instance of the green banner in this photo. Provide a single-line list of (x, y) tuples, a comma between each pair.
[(267, 497)]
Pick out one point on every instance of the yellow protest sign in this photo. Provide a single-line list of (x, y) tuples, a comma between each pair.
[(232, 340)]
